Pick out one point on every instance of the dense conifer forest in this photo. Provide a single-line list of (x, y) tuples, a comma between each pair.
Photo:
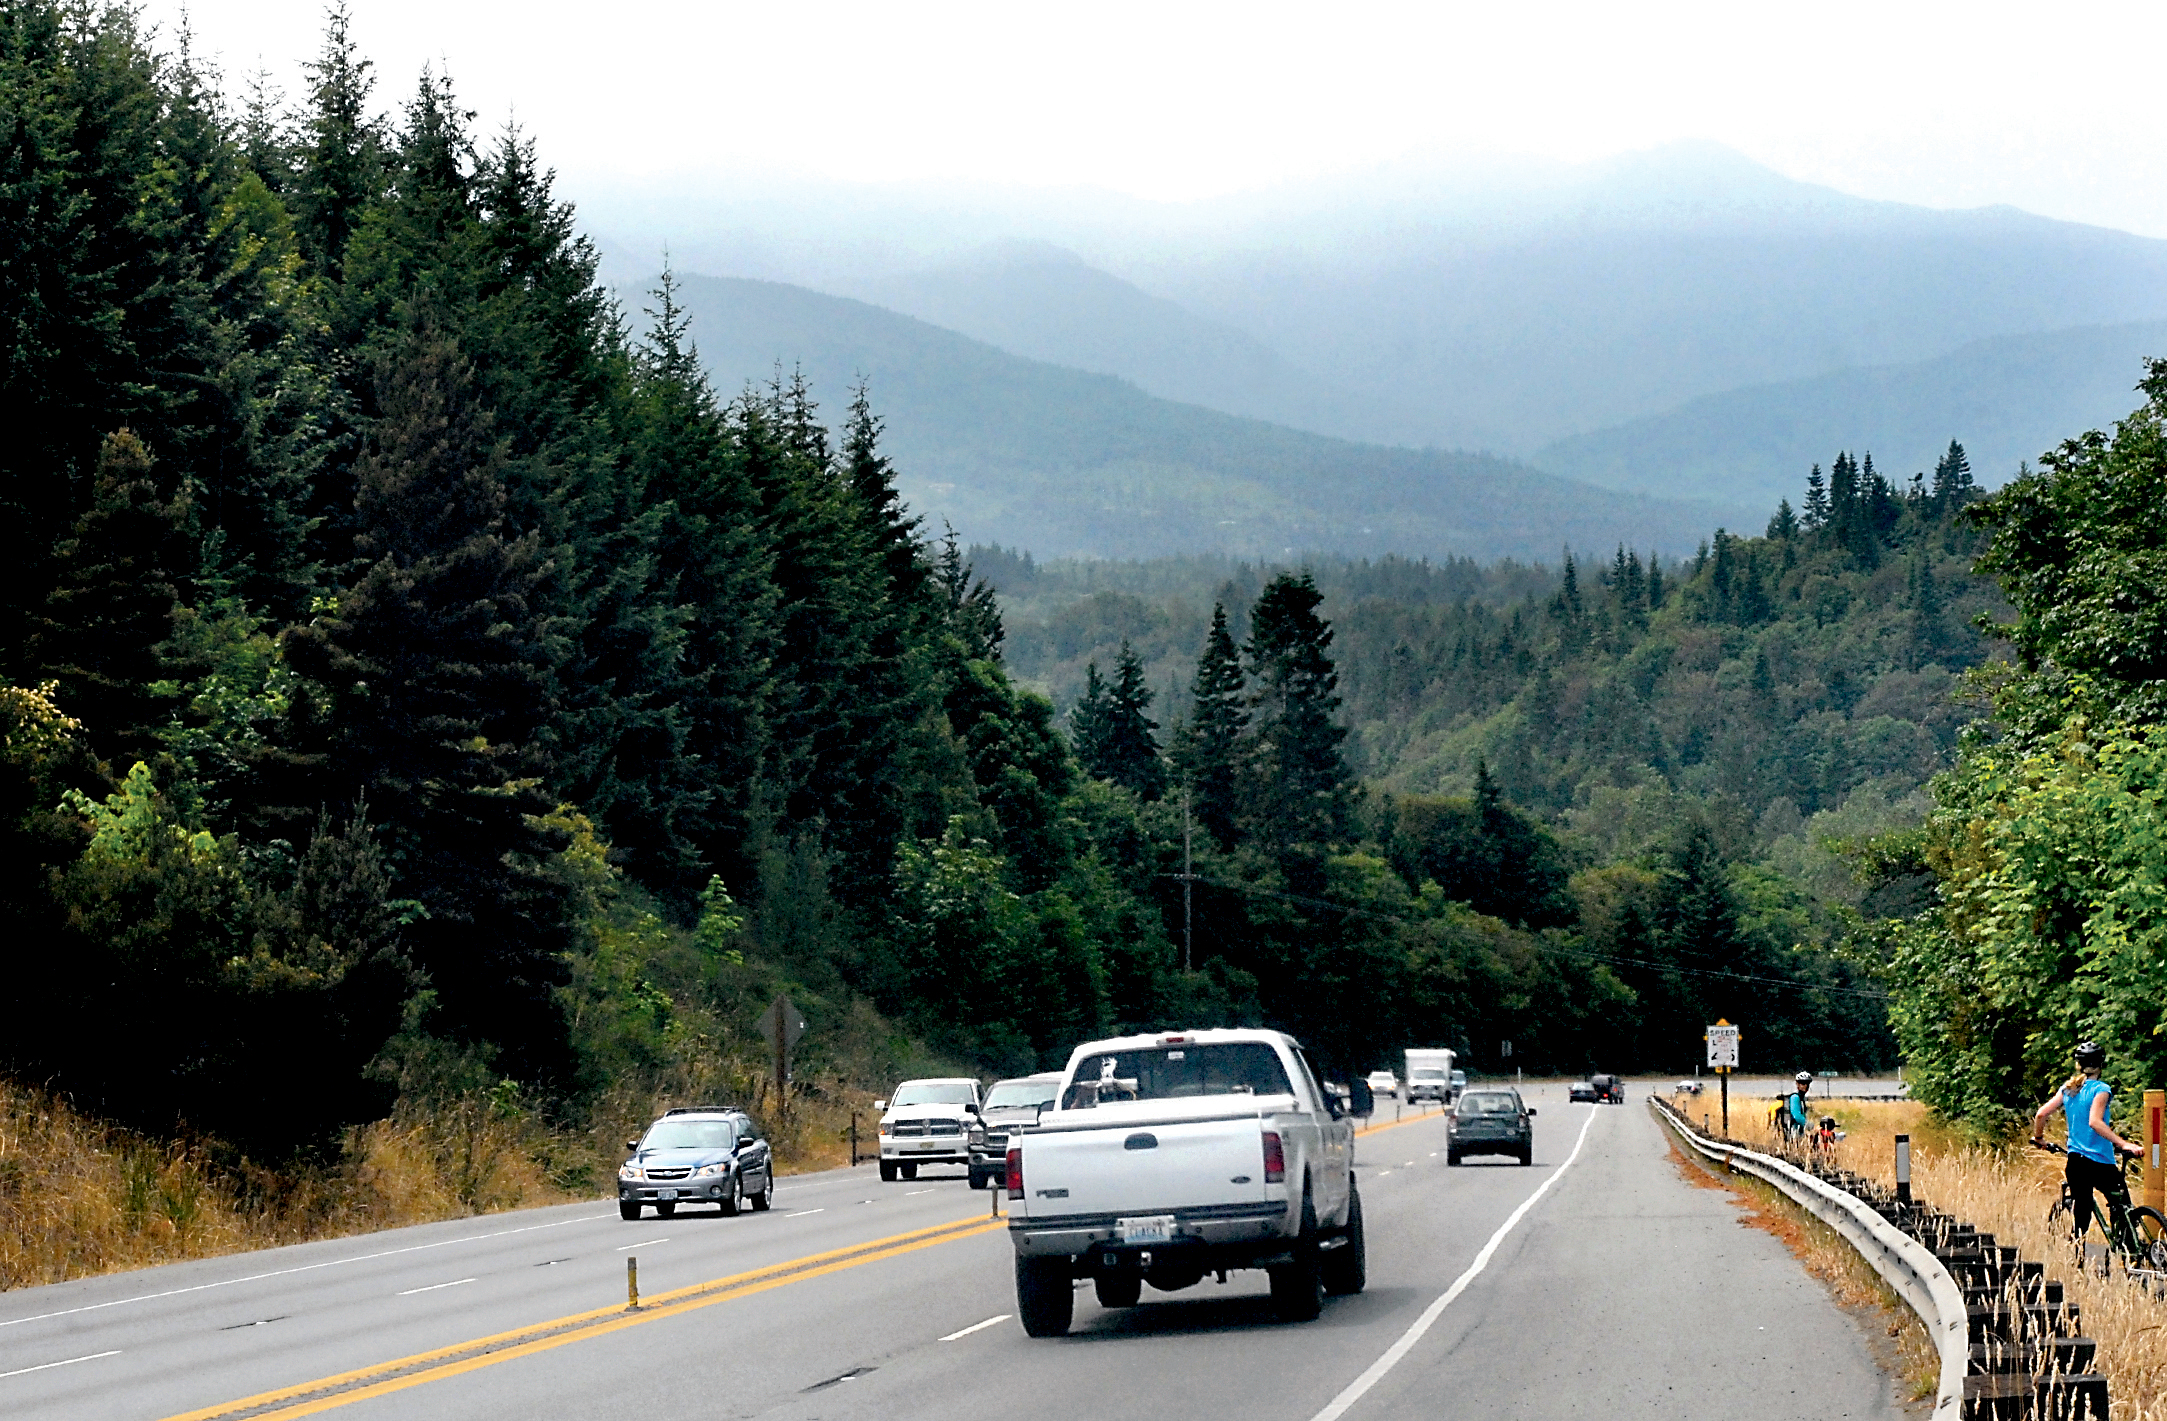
[(424, 685)]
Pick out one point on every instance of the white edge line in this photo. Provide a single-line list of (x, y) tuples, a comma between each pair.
[(803, 1212), (434, 1286), (304, 1268), (46, 1366), (916, 1192), (978, 1327), (1360, 1386), (642, 1244)]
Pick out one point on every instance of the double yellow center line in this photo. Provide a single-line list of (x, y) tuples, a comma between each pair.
[(387, 1377)]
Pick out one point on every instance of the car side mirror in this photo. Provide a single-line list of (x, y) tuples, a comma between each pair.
[(1531, 1110), (632, 1147), (1361, 1099), (880, 1105)]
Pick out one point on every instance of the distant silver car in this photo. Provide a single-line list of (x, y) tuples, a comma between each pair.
[(1384, 1083), (697, 1157)]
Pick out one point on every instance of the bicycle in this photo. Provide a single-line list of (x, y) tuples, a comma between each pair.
[(2143, 1247)]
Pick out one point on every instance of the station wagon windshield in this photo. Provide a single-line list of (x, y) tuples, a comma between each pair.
[(1174, 1072), (935, 1093), (1489, 1105), (691, 1135)]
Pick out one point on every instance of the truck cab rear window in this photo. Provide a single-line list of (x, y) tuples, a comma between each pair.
[(1174, 1072)]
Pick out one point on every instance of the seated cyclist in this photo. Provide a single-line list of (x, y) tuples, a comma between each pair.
[(2086, 1103)]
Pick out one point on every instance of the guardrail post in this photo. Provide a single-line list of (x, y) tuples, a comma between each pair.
[(853, 1139), (1903, 1169)]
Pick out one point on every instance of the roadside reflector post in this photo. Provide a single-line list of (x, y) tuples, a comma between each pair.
[(1903, 1169), (2155, 1180), (632, 1282)]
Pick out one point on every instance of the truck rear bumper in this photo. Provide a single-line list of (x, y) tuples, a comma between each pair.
[(1231, 1228)]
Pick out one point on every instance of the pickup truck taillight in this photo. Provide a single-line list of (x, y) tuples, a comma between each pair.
[(1015, 1172), (1275, 1159)]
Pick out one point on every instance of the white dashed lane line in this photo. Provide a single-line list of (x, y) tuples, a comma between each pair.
[(803, 1212), (94, 1356), (641, 1244), (978, 1327), (915, 1192), (434, 1286)]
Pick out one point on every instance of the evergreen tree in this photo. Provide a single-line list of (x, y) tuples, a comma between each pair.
[(1952, 480), (440, 672), (1209, 753), (1300, 789), (1115, 737), (341, 168), (1816, 513), (1784, 525)]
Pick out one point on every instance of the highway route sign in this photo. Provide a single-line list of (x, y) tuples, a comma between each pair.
[(1723, 1045)]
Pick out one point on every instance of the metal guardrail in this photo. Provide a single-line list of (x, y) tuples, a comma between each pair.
[(1907, 1265)]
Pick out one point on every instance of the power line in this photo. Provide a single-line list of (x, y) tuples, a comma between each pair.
[(1541, 946)]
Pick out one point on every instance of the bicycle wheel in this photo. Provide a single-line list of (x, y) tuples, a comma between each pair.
[(2149, 1233)]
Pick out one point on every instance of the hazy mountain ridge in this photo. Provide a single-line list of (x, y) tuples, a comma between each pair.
[(1064, 462), (2008, 399)]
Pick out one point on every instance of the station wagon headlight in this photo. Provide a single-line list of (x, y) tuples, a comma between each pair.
[(711, 1169), (631, 1171)]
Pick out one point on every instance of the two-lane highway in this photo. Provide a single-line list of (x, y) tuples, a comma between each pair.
[(1594, 1282)]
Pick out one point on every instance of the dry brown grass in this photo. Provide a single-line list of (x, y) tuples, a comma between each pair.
[(80, 1197), (2006, 1190)]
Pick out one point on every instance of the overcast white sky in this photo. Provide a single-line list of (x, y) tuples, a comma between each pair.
[(2053, 108)]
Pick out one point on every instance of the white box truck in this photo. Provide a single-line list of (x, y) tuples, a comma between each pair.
[(1429, 1075)]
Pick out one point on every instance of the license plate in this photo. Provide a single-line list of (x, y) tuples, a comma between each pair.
[(665, 1194), (929, 1147), (1159, 1228)]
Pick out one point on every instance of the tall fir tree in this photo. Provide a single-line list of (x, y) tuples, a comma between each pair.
[(1116, 738), (1300, 789), (1209, 754)]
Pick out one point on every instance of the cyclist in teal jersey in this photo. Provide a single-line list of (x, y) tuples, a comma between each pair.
[(2086, 1102)]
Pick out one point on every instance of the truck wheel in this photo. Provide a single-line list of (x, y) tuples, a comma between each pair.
[(1118, 1290), (909, 1171), (1527, 1154), (626, 1209), (887, 1171), (980, 1181), (1044, 1300), (1452, 1157), (1346, 1268), (1298, 1284)]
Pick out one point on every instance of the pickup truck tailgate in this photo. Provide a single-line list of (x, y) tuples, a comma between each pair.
[(1146, 1156)]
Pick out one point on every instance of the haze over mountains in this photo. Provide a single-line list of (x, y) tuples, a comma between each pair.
[(1681, 322)]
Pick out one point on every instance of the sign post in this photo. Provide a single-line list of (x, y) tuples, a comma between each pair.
[(2155, 1179), (1722, 1039), (782, 1026)]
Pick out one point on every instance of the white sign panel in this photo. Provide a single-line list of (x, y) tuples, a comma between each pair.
[(1723, 1046)]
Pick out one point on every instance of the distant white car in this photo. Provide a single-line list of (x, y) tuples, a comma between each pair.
[(1384, 1083), (1688, 1088)]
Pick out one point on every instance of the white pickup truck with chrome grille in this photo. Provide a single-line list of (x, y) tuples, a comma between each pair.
[(1173, 1156)]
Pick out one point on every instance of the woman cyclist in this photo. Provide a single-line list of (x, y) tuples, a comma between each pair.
[(2086, 1102)]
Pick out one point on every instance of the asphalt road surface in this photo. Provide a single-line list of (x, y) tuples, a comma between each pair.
[(1594, 1284)]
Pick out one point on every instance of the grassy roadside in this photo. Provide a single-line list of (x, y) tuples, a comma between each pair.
[(2005, 1189), (80, 1197)]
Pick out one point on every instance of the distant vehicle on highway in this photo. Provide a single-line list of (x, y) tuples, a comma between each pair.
[(1491, 1120), (926, 1122), (697, 1156), (1688, 1088), (1008, 1107), (1429, 1075), (1610, 1090), (1384, 1083), (1580, 1091), (1170, 1157), (1458, 1080)]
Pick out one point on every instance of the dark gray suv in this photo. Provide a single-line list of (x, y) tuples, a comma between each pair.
[(697, 1156), (1490, 1120)]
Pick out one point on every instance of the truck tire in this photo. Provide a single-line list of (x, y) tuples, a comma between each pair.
[(1452, 1157), (1118, 1290), (1346, 1268), (1527, 1154), (1045, 1302), (1298, 1284), (887, 1171), (909, 1170)]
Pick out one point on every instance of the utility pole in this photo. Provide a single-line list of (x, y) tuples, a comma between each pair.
[(1188, 881)]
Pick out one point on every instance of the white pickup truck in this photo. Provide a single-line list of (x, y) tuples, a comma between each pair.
[(1169, 1157)]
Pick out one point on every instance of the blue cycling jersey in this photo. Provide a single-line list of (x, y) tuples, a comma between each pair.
[(2077, 1109), (1797, 1103)]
